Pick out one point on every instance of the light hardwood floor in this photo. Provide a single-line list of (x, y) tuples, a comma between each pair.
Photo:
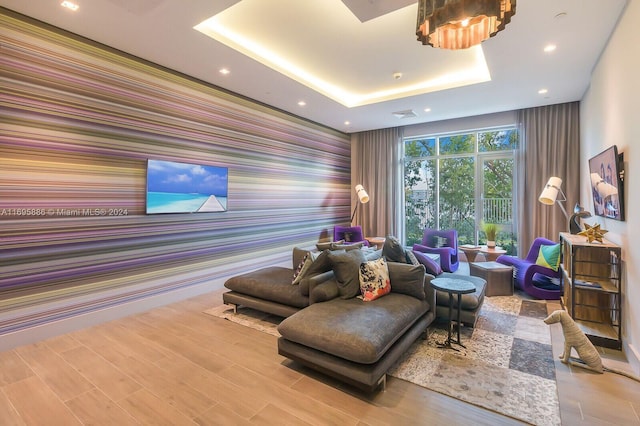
[(175, 365)]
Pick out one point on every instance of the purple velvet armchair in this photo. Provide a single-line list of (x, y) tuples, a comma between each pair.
[(350, 234), (533, 279), (444, 243)]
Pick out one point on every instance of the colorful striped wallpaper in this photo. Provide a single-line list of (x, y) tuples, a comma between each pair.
[(78, 122)]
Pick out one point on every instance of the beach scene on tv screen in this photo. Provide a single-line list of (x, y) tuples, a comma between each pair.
[(174, 187)]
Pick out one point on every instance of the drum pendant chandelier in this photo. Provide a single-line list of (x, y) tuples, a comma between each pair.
[(460, 24)]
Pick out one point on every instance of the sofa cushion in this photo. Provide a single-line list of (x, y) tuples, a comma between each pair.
[(271, 283), (352, 329), (374, 279), (407, 279), (393, 251), (346, 267)]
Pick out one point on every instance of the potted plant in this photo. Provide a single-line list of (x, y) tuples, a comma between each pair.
[(490, 231)]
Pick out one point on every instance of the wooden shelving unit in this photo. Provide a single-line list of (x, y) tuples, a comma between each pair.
[(591, 275)]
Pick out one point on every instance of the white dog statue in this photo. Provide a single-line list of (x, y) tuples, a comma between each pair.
[(575, 338)]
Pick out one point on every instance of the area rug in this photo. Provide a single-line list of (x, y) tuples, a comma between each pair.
[(248, 317), (507, 365)]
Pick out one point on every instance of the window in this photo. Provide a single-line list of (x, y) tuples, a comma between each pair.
[(459, 180)]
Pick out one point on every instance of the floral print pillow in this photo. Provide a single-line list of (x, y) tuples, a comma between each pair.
[(374, 279)]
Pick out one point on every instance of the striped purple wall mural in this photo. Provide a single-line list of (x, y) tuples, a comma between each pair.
[(78, 122)]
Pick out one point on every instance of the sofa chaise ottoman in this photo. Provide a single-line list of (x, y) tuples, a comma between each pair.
[(357, 341)]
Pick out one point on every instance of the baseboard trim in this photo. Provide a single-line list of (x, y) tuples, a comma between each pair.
[(55, 328), (633, 357)]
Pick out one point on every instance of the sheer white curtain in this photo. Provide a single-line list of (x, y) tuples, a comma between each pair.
[(550, 146), (376, 163)]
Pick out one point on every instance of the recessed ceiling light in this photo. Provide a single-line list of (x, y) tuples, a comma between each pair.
[(542, 91), (69, 5), (302, 103), (427, 110), (224, 71), (550, 48), (346, 123)]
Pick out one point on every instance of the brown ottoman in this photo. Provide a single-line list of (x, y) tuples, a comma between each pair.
[(499, 277)]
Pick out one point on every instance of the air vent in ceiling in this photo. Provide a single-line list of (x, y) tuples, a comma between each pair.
[(408, 113)]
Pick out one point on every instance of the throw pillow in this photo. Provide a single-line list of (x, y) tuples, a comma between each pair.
[(393, 251), (320, 265), (298, 255), (374, 280), (407, 279), (430, 265), (304, 266), (549, 256), (411, 258), (346, 268)]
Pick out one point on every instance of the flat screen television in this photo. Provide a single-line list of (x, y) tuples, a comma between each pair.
[(174, 187), (606, 172)]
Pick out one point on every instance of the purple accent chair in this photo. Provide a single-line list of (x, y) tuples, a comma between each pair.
[(531, 278), (442, 242), (350, 234)]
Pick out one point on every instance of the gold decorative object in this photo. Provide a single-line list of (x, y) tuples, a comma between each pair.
[(593, 232)]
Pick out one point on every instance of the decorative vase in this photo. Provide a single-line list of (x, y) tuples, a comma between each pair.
[(491, 244)]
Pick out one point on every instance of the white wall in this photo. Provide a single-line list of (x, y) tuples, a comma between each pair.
[(608, 116)]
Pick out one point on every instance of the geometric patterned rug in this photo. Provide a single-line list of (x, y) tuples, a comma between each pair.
[(507, 366)]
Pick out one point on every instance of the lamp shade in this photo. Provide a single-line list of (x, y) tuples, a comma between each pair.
[(362, 194), (550, 192)]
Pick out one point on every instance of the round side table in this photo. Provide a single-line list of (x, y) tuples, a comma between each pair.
[(453, 286)]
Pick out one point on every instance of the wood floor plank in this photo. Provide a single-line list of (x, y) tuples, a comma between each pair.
[(95, 408), (168, 388), (194, 350), (8, 414), (148, 409), (62, 343), (221, 415), (284, 398), (38, 404), (226, 393), (102, 373), (13, 368), (284, 418), (65, 381), (126, 335)]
